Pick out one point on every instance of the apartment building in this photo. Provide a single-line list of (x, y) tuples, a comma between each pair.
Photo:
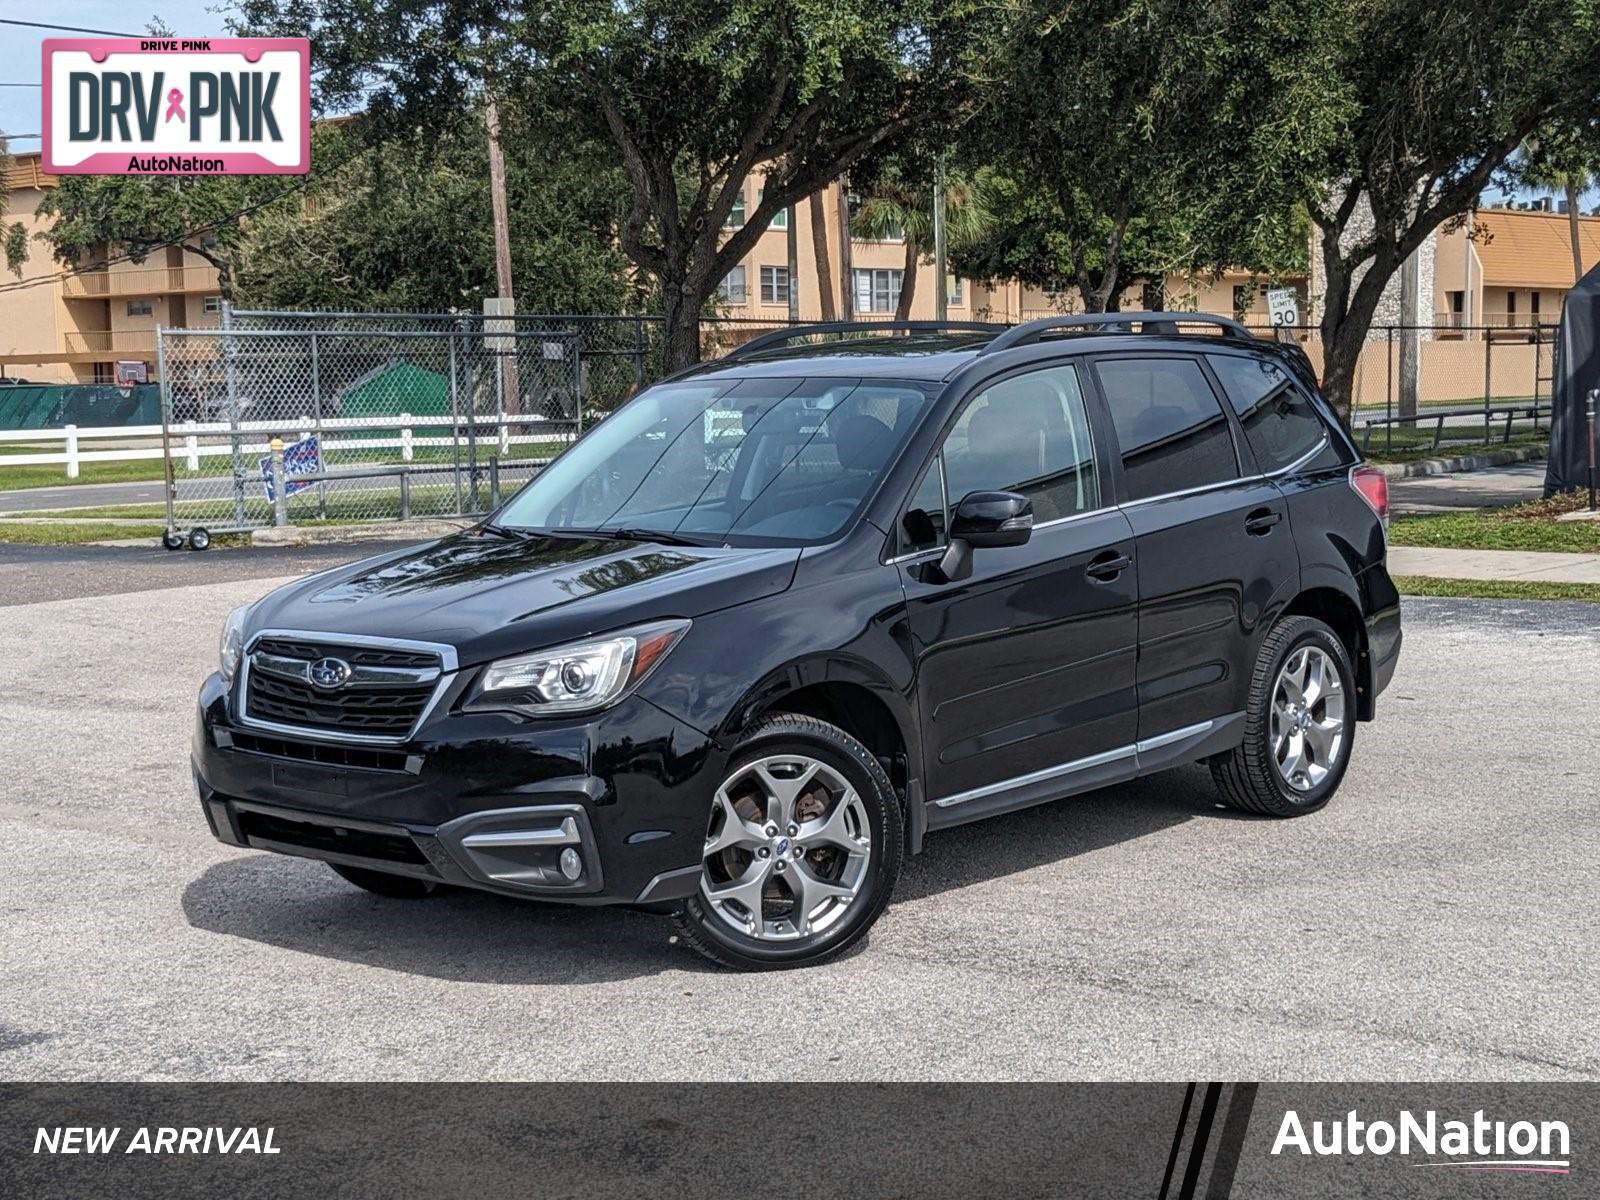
[(58, 326), (758, 288), (1509, 266)]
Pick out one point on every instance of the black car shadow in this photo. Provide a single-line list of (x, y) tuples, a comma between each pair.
[(474, 937), (1061, 830)]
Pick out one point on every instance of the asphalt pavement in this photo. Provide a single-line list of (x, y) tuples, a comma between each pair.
[(1437, 921), (83, 495), (1492, 487)]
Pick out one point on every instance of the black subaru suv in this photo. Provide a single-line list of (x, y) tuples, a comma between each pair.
[(737, 651)]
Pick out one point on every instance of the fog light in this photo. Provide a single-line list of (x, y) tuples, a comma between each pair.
[(571, 864)]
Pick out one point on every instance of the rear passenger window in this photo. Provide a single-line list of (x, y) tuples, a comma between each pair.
[(1278, 419), (1171, 430)]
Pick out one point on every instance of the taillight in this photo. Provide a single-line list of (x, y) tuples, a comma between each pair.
[(1372, 485)]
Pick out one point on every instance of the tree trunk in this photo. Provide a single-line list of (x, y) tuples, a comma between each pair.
[(680, 326), (908, 282), (1572, 227), (1340, 354), (819, 248)]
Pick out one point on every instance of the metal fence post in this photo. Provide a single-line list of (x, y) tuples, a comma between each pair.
[(316, 417), (190, 444), (1594, 396), (494, 483), (405, 494), (280, 502), (230, 352), (638, 354), (455, 419), (1488, 376)]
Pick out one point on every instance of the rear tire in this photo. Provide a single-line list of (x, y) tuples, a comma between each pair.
[(1300, 724), (382, 883), (803, 848)]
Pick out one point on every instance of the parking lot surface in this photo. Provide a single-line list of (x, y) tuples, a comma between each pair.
[(1438, 921)]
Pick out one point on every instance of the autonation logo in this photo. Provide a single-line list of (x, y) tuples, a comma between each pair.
[(1481, 1144)]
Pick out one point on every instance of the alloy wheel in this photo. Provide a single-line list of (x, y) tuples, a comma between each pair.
[(1307, 718), (788, 849)]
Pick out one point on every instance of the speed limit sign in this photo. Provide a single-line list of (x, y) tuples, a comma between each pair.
[(1283, 306)]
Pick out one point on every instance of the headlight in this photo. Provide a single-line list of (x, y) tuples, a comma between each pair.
[(579, 677), (231, 645)]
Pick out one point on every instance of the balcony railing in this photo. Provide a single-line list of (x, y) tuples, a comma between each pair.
[(141, 342), (141, 281)]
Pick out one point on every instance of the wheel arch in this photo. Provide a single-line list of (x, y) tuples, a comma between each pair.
[(858, 699), (1341, 612)]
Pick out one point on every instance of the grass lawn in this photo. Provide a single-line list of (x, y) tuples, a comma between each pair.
[(1414, 446), (1497, 589), (46, 533), (1520, 527), (135, 471)]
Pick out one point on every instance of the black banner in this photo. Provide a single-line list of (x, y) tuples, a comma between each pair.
[(778, 1140)]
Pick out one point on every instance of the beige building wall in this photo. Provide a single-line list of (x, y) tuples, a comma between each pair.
[(73, 327)]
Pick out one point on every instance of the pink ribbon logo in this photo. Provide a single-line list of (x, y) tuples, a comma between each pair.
[(175, 105)]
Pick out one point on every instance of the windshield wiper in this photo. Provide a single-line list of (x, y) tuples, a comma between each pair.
[(662, 536), (510, 533)]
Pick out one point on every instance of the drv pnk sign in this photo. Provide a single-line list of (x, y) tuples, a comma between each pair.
[(177, 106)]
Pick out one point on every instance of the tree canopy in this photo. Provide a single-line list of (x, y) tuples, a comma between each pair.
[(691, 97), (1145, 138)]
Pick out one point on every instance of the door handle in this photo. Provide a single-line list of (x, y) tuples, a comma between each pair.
[(1107, 565), (1260, 522)]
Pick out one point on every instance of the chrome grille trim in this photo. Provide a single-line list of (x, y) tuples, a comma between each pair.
[(440, 676)]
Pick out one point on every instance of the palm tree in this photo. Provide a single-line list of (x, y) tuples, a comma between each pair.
[(1563, 162), (901, 207)]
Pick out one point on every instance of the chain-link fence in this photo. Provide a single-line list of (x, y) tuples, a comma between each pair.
[(274, 425), (395, 415)]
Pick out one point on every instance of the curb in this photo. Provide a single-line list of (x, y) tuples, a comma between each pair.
[(335, 535), (1463, 463)]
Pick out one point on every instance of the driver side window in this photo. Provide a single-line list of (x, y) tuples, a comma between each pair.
[(1027, 434)]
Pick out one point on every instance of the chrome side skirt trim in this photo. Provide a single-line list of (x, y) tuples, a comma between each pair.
[(1132, 750)]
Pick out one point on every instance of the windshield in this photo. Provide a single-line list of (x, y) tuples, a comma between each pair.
[(754, 461)]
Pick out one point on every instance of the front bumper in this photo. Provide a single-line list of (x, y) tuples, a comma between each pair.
[(486, 801)]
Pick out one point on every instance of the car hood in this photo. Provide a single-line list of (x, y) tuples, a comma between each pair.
[(491, 596)]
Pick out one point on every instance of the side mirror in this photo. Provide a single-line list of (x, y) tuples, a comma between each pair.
[(985, 519), (993, 519)]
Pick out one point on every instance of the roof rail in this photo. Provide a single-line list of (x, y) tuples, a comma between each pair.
[(1032, 331), (779, 337)]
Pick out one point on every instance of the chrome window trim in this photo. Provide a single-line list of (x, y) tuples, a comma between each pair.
[(449, 664), (1131, 750)]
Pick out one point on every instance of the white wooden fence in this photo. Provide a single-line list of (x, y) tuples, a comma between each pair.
[(193, 440)]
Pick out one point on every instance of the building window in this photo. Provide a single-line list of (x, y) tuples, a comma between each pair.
[(780, 219), (955, 292), (1511, 308), (774, 285), (1533, 306), (736, 214), (878, 291), (732, 289), (212, 304), (140, 308)]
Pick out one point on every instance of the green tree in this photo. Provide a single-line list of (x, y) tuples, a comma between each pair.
[(1565, 160), (1138, 139), (13, 235), (408, 227), (900, 205), (1439, 96), (691, 97)]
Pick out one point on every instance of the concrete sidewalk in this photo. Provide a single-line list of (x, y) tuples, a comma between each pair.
[(1528, 565)]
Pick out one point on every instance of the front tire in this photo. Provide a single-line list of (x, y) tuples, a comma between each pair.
[(803, 848), (381, 883), (1300, 724)]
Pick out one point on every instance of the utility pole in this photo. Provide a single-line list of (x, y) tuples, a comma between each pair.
[(941, 297), (793, 238), (847, 276), (505, 305), (1410, 349)]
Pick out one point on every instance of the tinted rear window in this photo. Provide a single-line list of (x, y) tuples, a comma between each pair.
[(1278, 418), (1171, 430)]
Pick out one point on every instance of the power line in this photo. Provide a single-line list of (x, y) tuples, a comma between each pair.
[(21, 85), (68, 28)]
